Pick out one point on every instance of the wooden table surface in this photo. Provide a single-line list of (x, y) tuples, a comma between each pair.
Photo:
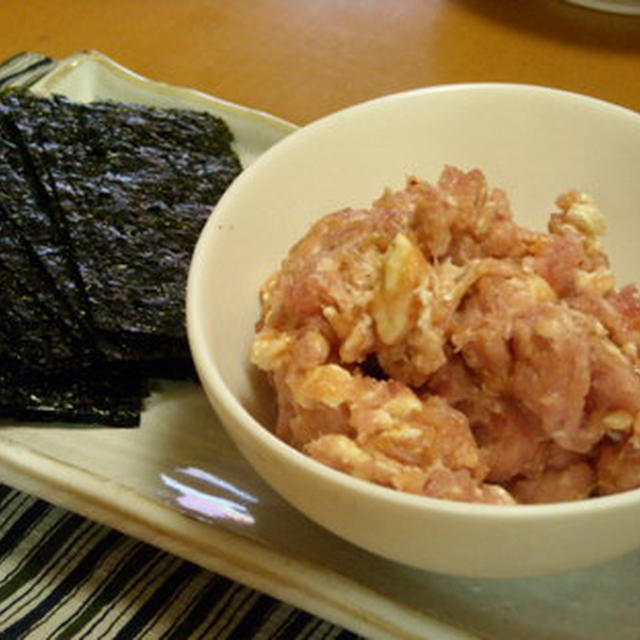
[(301, 59)]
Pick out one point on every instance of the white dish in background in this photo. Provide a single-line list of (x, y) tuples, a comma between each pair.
[(626, 7), (115, 476)]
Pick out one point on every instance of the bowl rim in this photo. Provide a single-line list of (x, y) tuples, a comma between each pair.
[(224, 398)]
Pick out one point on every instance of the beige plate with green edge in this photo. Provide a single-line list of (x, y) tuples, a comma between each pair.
[(178, 483)]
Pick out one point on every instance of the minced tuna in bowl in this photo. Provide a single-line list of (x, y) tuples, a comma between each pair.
[(432, 345)]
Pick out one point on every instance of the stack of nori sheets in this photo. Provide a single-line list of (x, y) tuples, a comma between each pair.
[(100, 207)]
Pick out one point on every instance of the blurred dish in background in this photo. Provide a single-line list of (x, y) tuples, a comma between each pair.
[(630, 7)]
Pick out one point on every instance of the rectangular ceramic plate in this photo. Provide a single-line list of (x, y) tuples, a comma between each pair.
[(178, 482)]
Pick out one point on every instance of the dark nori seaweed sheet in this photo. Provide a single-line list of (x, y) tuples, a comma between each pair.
[(132, 187), (74, 398), (44, 327), (37, 340), (28, 207), (143, 206), (100, 207)]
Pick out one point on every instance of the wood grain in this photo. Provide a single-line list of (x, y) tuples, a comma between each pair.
[(301, 59)]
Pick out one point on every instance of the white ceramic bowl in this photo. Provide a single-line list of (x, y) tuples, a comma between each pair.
[(534, 142)]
